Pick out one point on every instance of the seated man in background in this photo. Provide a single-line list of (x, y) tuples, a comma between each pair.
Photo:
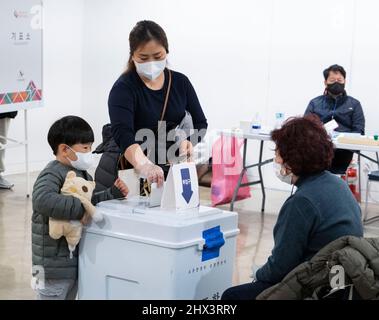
[(336, 105)]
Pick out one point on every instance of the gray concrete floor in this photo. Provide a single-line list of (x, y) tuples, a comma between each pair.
[(254, 243)]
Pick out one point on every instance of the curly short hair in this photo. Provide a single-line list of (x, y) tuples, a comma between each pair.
[(304, 145)]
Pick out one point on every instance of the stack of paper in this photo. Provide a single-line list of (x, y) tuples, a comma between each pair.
[(362, 140)]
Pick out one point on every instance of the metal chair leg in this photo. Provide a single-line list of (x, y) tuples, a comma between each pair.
[(367, 192)]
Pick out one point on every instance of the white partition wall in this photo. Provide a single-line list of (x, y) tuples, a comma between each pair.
[(241, 56)]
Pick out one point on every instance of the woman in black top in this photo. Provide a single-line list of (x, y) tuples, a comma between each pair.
[(137, 100)]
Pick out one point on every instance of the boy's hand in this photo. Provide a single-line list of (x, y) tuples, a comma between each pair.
[(186, 151), (86, 219), (120, 185)]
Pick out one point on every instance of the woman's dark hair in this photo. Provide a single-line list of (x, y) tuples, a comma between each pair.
[(304, 145), (143, 32), (334, 68), (69, 130)]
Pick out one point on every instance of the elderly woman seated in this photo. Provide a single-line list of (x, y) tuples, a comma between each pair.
[(321, 210)]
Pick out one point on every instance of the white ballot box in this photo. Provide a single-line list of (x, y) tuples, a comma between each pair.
[(138, 252)]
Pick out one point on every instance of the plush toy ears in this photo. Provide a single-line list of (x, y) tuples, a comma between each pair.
[(71, 175)]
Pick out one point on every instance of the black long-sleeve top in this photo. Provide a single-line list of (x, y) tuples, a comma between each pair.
[(133, 106)]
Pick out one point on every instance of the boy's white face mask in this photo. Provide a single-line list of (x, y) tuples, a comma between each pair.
[(278, 169), (84, 162), (151, 70)]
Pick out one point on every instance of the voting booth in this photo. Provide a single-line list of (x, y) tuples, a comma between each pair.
[(178, 250)]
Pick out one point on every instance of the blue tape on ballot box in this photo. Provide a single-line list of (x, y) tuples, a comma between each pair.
[(214, 240)]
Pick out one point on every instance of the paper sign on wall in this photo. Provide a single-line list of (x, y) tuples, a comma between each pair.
[(21, 55), (181, 190)]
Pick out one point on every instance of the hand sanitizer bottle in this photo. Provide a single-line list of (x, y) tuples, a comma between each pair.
[(279, 119), (256, 124)]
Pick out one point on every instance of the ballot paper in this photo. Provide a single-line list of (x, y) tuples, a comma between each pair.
[(155, 196), (331, 126), (131, 179)]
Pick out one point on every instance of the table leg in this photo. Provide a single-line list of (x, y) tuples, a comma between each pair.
[(261, 178), (240, 176), (27, 154), (359, 176)]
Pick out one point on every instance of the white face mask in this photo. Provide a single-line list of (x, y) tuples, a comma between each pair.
[(84, 162), (151, 70), (278, 171)]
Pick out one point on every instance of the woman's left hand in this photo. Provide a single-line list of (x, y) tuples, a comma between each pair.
[(186, 149)]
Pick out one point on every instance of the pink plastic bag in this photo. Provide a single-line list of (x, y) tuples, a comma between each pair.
[(226, 168)]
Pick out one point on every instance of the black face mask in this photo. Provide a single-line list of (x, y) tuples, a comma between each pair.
[(336, 88)]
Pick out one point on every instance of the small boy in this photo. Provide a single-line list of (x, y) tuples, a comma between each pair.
[(71, 140)]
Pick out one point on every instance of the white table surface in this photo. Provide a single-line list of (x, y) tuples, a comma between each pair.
[(357, 147), (266, 137), (244, 135)]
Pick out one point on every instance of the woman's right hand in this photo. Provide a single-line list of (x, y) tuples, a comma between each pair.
[(143, 165), (152, 173)]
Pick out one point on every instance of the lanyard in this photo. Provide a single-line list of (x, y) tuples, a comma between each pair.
[(334, 108)]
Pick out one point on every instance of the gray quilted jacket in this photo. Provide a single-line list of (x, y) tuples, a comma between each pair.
[(53, 255), (359, 258)]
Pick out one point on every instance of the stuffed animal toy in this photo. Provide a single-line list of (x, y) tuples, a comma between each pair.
[(72, 230)]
